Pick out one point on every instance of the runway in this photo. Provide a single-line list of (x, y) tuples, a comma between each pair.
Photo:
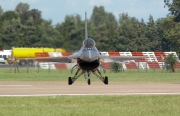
[(82, 88)]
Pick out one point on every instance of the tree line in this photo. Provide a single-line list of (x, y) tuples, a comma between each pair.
[(25, 27)]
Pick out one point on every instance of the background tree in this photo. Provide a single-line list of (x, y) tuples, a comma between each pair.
[(72, 30), (116, 67), (34, 13), (172, 34), (97, 19), (22, 7), (1, 11), (174, 8), (49, 36), (31, 21), (8, 16), (11, 33), (130, 35), (152, 34), (143, 40), (25, 27), (103, 27), (9, 27), (170, 62), (162, 41), (111, 27)]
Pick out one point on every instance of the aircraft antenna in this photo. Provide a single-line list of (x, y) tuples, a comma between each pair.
[(86, 32)]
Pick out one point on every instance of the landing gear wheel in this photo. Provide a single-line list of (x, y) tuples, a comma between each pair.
[(106, 80), (89, 81), (69, 81)]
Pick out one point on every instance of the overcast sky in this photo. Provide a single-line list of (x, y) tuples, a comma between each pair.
[(56, 10)]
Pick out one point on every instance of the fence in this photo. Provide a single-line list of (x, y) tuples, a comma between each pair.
[(152, 60)]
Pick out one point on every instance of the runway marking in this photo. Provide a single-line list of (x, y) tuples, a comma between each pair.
[(104, 94), (15, 85)]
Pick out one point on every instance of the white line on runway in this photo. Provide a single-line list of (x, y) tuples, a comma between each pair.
[(15, 85), (105, 94)]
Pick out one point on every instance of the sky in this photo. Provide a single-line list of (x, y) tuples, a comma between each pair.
[(56, 10)]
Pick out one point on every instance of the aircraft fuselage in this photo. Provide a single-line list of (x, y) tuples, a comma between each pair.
[(89, 58)]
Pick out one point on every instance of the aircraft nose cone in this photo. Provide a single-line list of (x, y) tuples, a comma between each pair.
[(90, 55)]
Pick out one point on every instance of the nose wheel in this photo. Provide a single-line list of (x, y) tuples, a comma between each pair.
[(106, 80), (89, 81)]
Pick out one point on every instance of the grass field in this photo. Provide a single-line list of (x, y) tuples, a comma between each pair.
[(135, 105), (91, 106), (62, 75)]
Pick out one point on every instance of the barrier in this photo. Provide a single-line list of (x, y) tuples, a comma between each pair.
[(125, 54), (160, 56), (177, 66), (114, 53), (137, 53), (106, 65), (152, 59), (153, 65), (131, 65), (60, 66)]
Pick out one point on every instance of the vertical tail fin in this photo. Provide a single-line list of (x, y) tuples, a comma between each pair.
[(86, 32)]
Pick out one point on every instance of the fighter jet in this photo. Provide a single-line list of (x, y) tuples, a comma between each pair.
[(88, 60)]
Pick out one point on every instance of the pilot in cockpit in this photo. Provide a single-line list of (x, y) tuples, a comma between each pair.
[(89, 43)]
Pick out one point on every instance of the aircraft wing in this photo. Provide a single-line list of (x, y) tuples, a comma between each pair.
[(123, 58), (120, 58), (52, 59), (63, 59)]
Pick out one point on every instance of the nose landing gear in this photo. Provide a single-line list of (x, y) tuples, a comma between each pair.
[(106, 80)]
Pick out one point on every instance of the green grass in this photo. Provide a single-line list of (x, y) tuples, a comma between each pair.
[(33, 75), (135, 105), (62, 75), (91, 106)]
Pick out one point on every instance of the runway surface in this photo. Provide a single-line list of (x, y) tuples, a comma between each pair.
[(82, 88)]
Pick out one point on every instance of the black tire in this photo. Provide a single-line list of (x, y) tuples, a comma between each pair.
[(69, 81), (106, 80), (30, 62), (23, 62), (89, 81)]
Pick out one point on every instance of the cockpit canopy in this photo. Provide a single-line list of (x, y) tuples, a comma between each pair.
[(89, 43)]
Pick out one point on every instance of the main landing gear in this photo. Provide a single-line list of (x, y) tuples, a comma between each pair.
[(69, 81), (79, 72)]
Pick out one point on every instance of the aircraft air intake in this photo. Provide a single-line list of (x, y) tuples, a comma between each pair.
[(89, 65)]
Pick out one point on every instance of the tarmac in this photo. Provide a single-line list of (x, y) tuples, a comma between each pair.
[(60, 88)]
